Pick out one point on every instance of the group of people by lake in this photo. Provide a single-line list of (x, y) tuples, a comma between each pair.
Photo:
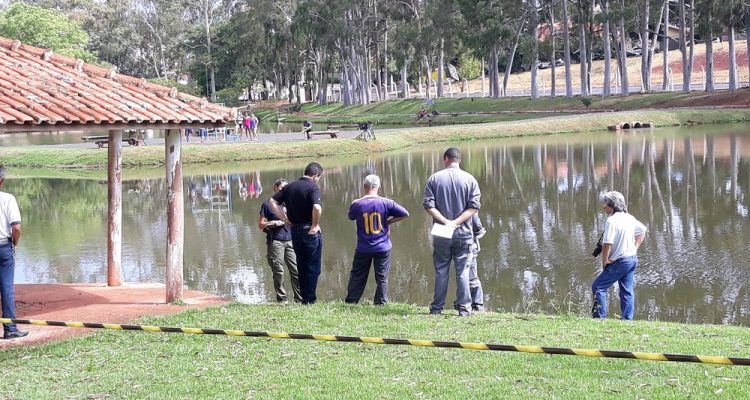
[(452, 198)]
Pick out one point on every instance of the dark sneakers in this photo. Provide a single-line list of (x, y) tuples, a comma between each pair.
[(14, 334)]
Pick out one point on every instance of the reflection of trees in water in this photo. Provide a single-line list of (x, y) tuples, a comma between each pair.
[(540, 205), (548, 220)]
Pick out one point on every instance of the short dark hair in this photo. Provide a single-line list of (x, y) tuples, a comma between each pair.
[(452, 154), (313, 169), (278, 182)]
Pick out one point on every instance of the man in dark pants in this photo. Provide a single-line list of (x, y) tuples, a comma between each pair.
[(303, 210), (10, 234), (373, 214), (451, 198), (279, 248)]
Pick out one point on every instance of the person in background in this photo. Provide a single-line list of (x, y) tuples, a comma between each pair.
[(303, 210), (622, 236), (188, 132), (373, 215), (279, 249), (307, 129), (253, 127), (10, 234), (475, 285), (451, 198)]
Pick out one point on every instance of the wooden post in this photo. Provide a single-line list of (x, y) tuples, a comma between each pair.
[(114, 208), (175, 215)]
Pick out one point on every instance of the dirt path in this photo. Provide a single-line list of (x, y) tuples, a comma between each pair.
[(93, 303)]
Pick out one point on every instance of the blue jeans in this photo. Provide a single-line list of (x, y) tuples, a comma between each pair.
[(361, 271), (459, 251), (621, 271), (7, 290), (308, 249)]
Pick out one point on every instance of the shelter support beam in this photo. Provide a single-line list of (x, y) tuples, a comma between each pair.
[(175, 215), (114, 208)]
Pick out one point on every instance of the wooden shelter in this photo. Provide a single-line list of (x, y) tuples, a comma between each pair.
[(43, 91)]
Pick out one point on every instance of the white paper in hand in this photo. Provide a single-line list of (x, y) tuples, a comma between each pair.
[(443, 231)]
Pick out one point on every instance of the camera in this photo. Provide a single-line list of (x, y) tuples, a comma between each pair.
[(598, 248)]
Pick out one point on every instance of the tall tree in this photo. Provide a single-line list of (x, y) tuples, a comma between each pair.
[(45, 28)]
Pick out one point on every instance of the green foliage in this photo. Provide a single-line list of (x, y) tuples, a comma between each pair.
[(187, 89), (469, 67), (586, 101), (45, 28)]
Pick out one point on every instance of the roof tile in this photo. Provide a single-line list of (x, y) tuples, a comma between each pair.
[(38, 87)]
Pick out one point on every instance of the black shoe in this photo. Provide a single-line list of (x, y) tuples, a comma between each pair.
[(14, 334)]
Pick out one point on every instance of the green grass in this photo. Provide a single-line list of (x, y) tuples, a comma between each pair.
[(118, 365), (196, 156)]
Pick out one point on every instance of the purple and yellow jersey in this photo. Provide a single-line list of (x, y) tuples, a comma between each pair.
[(372, 214)]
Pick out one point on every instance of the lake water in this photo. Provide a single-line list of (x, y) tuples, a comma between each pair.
[(540, 204)]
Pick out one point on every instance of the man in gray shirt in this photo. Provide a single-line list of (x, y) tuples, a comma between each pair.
[(451, 197)]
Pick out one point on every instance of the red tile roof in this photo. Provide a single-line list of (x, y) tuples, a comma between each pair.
[(41, 89)]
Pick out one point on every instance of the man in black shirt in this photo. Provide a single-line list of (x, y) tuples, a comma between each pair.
[(303, 210)]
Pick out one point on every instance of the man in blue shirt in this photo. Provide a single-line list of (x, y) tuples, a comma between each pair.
[(451, 198), (373, 215), (279, 248), (303, 211)]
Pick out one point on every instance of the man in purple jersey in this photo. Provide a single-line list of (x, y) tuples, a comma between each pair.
[(373, 215)]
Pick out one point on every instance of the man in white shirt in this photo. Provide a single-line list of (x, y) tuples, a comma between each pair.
[(10, 234), (622, 236)]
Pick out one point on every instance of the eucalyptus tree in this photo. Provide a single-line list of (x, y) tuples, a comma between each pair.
[(622, 11), (706, 15), (533, 11), (730, 13), (496, 25), (205, 14), (161, 30), (648, 37), (585, 13), (686, 10), (604, 19), (566, 49), (405, 16), (445, 26)]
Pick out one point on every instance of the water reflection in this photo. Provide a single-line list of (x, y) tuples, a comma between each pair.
[(540, 207)]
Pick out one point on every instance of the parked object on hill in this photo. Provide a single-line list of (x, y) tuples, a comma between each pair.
[(630, 125)]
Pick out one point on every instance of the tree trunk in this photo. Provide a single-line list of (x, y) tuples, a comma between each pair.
[(535, 50), (553, 56), (511, 56), (427, 75), (494, 83), (404, 83), (584, 59), (645, 64), (385, 61), (607, 89), (732, 61), (653, 43), (625, 82), (665, 48), (709, 56), (747, 32), (566, 50), (441, 67)]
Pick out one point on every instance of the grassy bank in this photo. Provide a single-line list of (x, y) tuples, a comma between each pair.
[(476, 110), (197, 156), (172, 366)]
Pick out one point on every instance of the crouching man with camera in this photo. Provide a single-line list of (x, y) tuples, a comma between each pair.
[(622, 236)]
